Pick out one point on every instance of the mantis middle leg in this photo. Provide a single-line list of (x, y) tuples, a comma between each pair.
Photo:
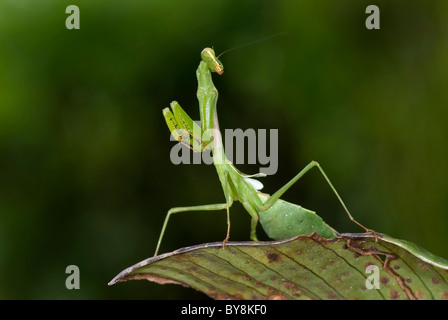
[(207, 207)]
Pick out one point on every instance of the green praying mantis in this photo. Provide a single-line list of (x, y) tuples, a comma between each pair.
[(280, 219)]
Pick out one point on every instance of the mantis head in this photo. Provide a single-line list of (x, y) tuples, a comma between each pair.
[(209, 57)]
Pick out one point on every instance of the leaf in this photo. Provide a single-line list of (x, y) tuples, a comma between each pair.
[(303, 267)]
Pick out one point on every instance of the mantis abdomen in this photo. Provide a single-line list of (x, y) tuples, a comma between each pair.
[(285, 220)]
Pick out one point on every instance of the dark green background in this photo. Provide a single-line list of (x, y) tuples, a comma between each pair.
[(85, 172)]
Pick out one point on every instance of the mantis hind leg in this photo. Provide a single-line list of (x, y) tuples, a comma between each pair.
[(273, 198), (207, 207)]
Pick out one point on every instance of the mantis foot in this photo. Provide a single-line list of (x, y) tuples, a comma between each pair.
[(224, 243), (373, 232)]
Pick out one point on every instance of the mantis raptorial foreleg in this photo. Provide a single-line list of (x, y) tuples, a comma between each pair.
[(185, 130)]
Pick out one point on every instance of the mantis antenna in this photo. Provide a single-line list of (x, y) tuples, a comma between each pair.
[(252, 42)]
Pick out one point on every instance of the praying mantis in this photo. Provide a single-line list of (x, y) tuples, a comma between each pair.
[(280, 219)]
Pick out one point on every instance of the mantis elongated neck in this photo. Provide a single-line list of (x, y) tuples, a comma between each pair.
[(208, 96)]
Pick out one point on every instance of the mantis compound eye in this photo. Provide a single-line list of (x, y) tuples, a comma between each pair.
[(208, 56)]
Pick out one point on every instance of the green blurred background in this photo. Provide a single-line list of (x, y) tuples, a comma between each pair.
[(85, 172)]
